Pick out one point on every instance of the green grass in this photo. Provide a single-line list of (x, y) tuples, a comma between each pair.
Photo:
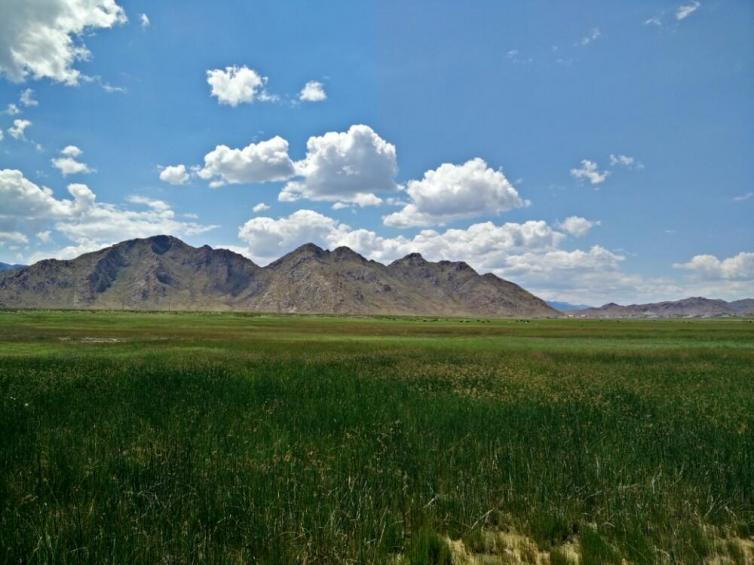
[(130, 437)]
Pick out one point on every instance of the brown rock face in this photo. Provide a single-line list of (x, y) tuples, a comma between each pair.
[(163, 273)]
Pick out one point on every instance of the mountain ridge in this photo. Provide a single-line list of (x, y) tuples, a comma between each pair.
[(691, 307), (164, 273)]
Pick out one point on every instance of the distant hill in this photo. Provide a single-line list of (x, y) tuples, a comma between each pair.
[(743, 307), (695, 307), (9, 267), (164, 273), (566, 306)]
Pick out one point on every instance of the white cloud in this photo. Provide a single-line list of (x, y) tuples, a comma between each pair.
[(593, 35), (24, 200), (685, 10), (67, 164), (88, 224), (268, 238), (453, 192), (238, 85), (345, 167), (158, 205), (577, 226), (313, 91), (484, 244), (144, 21), (71, 151), (44, 236), (743, 197), (174, 174), (265, 161), (13, 237), (625, 161), (654, 20), (261, 207), (589, 170), (44, 38), (708, 267), (12, 110), (729, 278), (27, 98), (19, 128)]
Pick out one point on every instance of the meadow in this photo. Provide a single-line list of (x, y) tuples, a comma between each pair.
[(217, 438)]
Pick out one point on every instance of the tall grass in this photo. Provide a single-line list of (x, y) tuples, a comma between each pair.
[(224, 438)]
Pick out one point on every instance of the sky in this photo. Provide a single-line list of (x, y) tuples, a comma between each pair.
[(590, 151)]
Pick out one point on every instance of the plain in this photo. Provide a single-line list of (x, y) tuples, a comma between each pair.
[(176, 437)]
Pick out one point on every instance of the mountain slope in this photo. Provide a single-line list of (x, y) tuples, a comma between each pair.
[(164, 273), (161, 272), (456, 287)]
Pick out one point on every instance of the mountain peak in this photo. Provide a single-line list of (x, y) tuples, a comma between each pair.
[(345, 252), (412, 259), (308, 249)]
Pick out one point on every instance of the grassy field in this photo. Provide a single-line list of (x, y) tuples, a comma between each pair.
[(145, 438)]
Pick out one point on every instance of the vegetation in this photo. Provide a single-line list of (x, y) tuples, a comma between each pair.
[(231, 438)]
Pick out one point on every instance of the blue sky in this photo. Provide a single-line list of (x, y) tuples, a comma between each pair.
[(589, 151)]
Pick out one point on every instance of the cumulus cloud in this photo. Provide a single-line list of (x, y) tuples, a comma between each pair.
[(27, 98), (589, 170), (685, 10), (265, 161), (625, 161), (708, 267), (12, 110), (484, 244), (18, 130), (313, 91), (453, 192), (87, 223), (593, 35), (159, 205), (44, 236), (344, 167), (13, 237), (144, 21), (174, 174), (44, 38), (68, 164), (261, 207), (577, 226), (238, 85)]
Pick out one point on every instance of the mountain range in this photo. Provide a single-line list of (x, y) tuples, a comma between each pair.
[(694, 307), (164, 273)]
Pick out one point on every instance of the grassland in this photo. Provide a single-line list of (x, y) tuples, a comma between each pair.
[(145, 438)]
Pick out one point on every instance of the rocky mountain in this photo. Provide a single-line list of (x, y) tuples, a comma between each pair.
[(164, 273), (695, 307)]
